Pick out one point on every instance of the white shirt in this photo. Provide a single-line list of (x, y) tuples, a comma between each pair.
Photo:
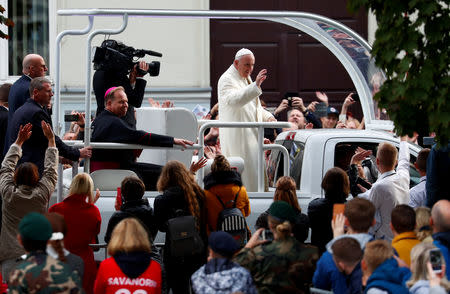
[(418, 194), (391, 189)]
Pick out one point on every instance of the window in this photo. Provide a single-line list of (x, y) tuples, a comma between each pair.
[(345, 151), (30, 33), (275, 163)]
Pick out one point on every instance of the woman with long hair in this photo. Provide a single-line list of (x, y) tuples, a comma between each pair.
[(181, 194), (55, 246), (286, 191), (226, 184), (423, 228), (336, 186), (423, 279), (282, 265), (83, 221), (130, 269), (22, 192)]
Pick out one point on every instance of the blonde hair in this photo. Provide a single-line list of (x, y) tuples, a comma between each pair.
[(83, 184), (174, 174), (387, 155), (282, 229), (423, 215), (129, 236), (420, 255), (376, 253), (286, 191)]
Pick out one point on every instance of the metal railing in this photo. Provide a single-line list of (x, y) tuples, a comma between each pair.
[(260, 126), (101, 145), (290, 18)]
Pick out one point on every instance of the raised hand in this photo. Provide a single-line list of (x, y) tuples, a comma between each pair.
[(297, 102), (322, 97), (312, 106), (24, 134), (48, 133), (359, 155), (261, 77), (195, 166)]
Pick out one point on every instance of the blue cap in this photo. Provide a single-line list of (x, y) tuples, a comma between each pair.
[(223, 243), (332, 110)]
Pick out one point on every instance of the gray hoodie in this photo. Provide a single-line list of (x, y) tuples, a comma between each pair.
[(362, 238), (423, 287)]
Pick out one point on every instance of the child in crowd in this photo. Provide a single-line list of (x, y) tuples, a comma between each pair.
[(359, 217), (220, 274), (381, 271), (403, 222), (423, 279), (347, 254)]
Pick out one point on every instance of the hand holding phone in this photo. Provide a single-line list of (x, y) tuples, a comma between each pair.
[(436, 260), (338, 208)]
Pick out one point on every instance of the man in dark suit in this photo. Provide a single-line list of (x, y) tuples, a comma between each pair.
[(33, 66), (4, 92), (34, 111), (109, 127)]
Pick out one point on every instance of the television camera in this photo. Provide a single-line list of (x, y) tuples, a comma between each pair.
[(116, 56)]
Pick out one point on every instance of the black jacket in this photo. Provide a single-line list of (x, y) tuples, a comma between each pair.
[(300, 229), (104, 80), (222, 178), (320, 213), (33, 149), (139, 209), (108, 127), (179, 270)]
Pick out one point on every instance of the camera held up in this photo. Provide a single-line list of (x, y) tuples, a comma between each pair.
[(116, 56)]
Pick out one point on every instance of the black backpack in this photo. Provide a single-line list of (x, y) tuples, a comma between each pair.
[(183, 236), (232, 221)]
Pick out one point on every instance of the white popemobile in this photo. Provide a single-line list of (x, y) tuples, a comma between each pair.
[(310, 152)]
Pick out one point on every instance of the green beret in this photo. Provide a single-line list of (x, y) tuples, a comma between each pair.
[(281, 211), (35, 226)]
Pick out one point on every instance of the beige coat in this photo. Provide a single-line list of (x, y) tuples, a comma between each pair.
[(239, 102), (19, 201)]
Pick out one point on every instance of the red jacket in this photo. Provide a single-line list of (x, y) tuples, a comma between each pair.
[(83, 222), (111, 279)]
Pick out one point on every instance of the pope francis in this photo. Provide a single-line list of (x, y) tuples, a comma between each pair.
[(239, 102)]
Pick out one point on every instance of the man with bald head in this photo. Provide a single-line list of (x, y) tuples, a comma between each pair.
[(440, 222), (33, 66), (239, 102)]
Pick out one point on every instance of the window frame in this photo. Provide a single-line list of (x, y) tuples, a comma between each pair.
[(52, 33)]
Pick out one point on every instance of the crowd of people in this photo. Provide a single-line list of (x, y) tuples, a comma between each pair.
[(384, 240)]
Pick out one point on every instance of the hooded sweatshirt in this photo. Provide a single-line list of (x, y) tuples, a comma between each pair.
[(220, 276), (328, 277), (389, 277), (132, 271)]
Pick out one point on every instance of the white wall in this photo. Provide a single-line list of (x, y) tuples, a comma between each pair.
[(184, 43)]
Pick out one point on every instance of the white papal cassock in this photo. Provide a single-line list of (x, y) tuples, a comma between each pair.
[(239, 102)]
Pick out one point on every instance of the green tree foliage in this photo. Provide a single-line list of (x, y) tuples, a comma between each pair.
[(6, 21), (412, 46)]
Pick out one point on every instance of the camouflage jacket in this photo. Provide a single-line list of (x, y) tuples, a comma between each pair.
[(282, 266), (40, 273)]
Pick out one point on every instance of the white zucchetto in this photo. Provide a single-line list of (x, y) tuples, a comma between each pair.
[(242, 52)]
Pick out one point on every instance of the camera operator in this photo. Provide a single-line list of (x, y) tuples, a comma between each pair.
[(134, 86)]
